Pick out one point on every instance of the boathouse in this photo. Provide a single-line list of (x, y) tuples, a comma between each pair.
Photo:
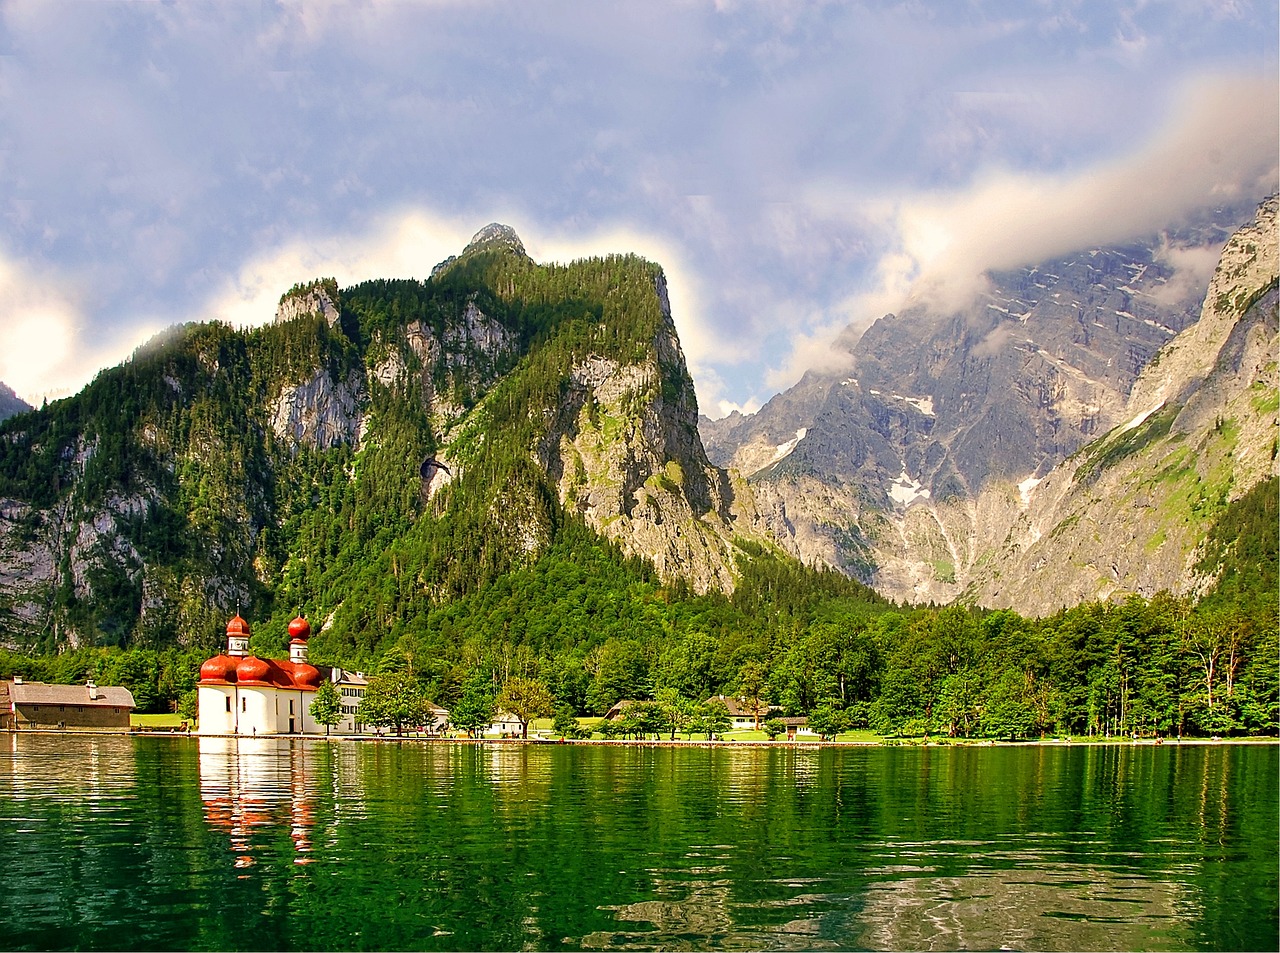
[(39, 705)]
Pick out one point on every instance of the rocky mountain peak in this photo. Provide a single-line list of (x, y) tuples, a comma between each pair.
[(11, 403), (495, 237)]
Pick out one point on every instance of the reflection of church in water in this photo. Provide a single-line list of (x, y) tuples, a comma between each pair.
[(252, 788)]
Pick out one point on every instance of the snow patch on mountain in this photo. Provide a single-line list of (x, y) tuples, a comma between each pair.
[(784, 449), (904, 491)]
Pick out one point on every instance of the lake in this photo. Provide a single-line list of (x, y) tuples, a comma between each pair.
[(147, 843)]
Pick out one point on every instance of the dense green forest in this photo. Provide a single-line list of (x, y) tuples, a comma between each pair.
[(594, 627), (490, 579)]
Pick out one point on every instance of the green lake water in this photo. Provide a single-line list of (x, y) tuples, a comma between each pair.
[(142, 843)]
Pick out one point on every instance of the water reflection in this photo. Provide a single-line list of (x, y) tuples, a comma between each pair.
[(134, 843), (81, 769), (1060, 908), (251, 787)]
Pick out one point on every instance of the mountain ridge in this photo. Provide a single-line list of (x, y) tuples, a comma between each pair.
[(452, 427), (899, 470)]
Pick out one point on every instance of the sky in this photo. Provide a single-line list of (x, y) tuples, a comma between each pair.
[(795, 167)]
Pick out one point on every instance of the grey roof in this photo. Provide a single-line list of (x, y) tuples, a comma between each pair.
[(38, 693), (342, 676), (741, 708)]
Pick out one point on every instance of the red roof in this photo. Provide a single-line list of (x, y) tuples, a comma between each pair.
[(254, 672)]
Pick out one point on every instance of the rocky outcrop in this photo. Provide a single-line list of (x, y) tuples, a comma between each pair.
[(11, 403), (624, 452), (461, 363), (317, 298), (319, 412)]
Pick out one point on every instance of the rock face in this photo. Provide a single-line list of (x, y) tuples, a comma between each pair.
[(902, 468), (11, 403), (1128, 512), (624, 452), (319, 298), (424, 426), (319, 412)]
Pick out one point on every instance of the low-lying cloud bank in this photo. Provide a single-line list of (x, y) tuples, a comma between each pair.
[(1218, 148)]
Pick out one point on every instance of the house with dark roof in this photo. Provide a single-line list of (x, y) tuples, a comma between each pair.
[(744, 713), (39, 705)]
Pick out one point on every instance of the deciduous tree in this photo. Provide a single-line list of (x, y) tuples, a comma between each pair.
[(526, 699), (326, 707)]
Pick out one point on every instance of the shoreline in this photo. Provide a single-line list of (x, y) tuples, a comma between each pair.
[(807, 744)]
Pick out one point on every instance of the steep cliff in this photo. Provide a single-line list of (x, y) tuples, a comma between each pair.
[(1129, 512), (624, 452), (376, 451)]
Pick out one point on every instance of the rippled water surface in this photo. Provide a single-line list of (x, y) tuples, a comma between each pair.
[(152, 843)]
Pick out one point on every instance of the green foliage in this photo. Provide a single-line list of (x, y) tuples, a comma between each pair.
[(828, 721), (1122, 443), (1242, 551), (326, 707), (395, 700), (713, 718), (475, 708), (774, 727), (526, 699)]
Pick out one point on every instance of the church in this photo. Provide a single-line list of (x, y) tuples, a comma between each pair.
[(241, 694)]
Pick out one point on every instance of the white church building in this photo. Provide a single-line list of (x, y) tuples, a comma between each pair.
[(241, 694)]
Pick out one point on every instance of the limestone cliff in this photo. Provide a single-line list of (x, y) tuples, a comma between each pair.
[(1128, 512), (319, 298), (624, 452)]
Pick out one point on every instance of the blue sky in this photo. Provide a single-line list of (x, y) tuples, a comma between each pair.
[(795, 166)]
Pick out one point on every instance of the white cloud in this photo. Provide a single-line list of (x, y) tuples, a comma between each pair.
[(404, 245), (1193, 266), (1220, 148), (44, 352)]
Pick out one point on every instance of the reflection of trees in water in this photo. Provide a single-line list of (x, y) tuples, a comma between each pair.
[(1067, 908)]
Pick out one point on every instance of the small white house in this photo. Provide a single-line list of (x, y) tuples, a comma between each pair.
[(505, 725)]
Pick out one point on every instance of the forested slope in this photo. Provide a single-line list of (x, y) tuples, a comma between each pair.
[(495, 475), (393, 450)]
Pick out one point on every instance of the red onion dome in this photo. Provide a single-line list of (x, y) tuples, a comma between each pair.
[(306, 676), (220, 668), (299, 630), (252, 669), (238, 627)]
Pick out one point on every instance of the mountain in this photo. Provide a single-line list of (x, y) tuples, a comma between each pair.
[(908, 468), (375, 452), (1131, 511), (10, 403)]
